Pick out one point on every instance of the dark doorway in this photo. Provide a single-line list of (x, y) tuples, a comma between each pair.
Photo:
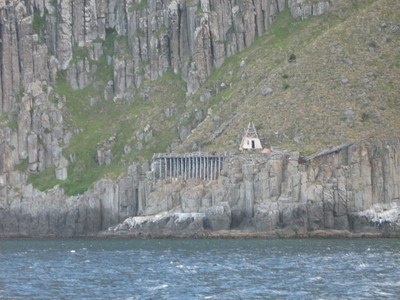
[(253, 144)]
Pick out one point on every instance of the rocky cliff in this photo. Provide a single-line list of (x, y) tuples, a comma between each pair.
[(45, 40), (53, 49), (354, 188)]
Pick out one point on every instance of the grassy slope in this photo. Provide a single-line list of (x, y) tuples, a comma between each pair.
[(308, 101), (123, 119)]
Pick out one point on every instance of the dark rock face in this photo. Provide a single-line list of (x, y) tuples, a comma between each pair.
[(356, 189)]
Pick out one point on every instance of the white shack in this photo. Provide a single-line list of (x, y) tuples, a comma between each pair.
[(250, 140)]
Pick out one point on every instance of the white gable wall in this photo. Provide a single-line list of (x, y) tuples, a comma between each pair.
[(249, 143)]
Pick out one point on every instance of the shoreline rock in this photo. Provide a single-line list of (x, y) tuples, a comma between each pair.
[(225, 234), (355, 188)]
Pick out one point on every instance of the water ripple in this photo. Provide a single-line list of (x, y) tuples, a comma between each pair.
[(199, 269)]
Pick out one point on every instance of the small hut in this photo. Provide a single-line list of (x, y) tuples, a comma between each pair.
[(250, 140)]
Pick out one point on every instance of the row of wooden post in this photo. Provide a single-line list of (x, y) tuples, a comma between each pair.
[(188, 167)]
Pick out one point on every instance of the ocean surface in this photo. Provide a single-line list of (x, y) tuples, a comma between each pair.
[(199, 269)]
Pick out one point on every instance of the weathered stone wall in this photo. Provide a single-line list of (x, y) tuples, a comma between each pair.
[(356, 189)]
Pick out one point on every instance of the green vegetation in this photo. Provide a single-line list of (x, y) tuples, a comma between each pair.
[(22, 166), (199, 11), (365, 116), (308, 99), (139, 33), (231, 30), (79, 53), (292, 58), (138, 6), (45, 180), (225, 42), (313, 102), (9, 120), (107, 118), (38, 23), (239, 15), (161, 31)]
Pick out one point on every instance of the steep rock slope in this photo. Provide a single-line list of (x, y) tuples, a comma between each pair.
[(355, 188), (92, 45)]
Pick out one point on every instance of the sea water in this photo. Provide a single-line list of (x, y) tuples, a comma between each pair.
[(199, 269)]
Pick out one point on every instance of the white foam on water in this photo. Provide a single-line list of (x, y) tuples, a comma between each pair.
[(381, 293), (158, 287), (316, 278), (72, 251)]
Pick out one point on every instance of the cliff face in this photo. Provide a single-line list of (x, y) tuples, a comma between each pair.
[(39, 39), (356, 188), (43, 41)]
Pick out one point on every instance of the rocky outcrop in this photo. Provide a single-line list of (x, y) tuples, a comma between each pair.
[(176, 224), (30, 212), (354, 188), (305, 8)]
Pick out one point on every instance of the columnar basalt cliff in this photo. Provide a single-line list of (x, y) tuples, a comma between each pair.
[(116, 48), (41, 38), (303, 8), (356, 188)]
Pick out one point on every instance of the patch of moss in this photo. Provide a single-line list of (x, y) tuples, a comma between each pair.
[(45, 180), (22, 166), (231, 30), (138, 33), (138, 6), (161, 31), (79, 53), (38, 23)]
